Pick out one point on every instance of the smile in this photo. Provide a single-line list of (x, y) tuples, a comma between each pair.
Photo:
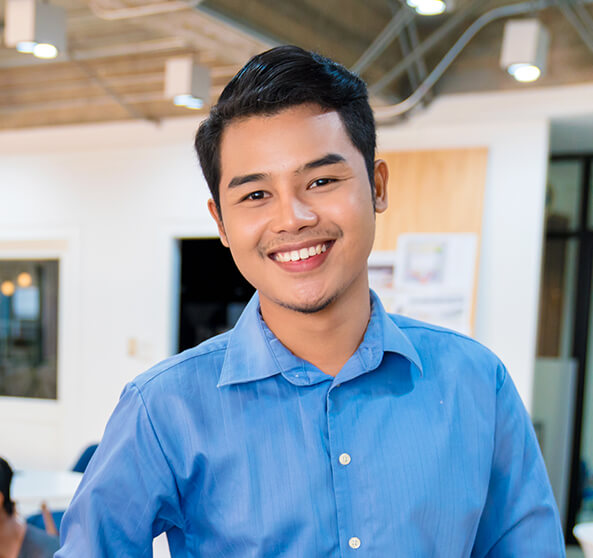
[(302, 254)]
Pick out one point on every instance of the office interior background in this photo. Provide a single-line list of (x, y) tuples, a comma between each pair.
[(108, 257)]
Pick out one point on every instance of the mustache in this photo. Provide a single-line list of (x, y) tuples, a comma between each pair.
[(317, 235)]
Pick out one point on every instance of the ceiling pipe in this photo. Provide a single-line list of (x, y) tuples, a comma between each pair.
[(386, 114), (585, 16), (578, 21), (395, 26), (420, 63), (417, 54), (129, 12), (404, 45)]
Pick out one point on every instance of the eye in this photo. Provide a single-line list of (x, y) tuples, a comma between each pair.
[(255, 196), (321, 182)]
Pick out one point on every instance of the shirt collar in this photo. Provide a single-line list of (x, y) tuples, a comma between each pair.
[(254, 353)]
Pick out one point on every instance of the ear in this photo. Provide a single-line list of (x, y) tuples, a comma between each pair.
[(381, 179), (218, 219)]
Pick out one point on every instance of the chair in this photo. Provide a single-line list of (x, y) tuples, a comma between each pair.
[(50, 521), (83, 460), (583, 532)]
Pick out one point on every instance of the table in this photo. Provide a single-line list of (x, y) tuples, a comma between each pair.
[(31, 487)]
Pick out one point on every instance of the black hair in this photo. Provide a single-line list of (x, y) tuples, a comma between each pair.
[(281, 78), (5, 479)]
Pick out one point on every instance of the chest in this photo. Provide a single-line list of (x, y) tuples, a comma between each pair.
[(286, 470)]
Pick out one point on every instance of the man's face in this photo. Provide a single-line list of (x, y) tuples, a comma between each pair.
[(296, 207)]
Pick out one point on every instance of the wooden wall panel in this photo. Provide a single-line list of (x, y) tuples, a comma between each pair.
[(433, 192)]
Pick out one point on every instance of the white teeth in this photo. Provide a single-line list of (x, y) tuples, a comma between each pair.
[(302, 254)]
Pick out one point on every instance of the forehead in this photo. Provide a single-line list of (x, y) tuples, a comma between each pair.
[(283, 141)]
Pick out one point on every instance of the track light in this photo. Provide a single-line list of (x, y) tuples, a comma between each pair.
[(525, 49), (186, 83), (34, 27)]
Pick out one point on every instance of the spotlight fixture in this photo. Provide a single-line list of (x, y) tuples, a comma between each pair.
[(430, 7), (187, 83), (34, 27), (524, 53)]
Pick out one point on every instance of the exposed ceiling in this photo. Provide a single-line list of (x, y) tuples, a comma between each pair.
[(114, 67)]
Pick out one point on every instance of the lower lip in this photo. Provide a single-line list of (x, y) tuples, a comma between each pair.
[(312, 262)]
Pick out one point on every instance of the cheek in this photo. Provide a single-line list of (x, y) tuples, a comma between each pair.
[(354, 210), (244, 231)]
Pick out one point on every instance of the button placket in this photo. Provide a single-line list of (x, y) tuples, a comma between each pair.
[(344, 489)]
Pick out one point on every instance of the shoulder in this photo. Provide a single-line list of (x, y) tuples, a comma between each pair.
[(200, 364), (449, 350)]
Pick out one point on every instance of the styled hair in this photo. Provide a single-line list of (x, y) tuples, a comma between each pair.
[(278, 79), (5, 479)]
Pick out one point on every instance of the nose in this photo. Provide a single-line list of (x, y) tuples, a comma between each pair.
[(293, 214)]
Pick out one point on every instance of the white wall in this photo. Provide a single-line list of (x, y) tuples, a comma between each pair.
[(111, 199)]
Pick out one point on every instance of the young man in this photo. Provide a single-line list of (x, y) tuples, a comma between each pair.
[(319, 426)]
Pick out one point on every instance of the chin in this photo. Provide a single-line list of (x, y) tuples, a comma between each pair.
[(309, 307)]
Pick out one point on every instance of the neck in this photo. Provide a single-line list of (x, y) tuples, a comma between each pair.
[(328, 338), (12, 533)]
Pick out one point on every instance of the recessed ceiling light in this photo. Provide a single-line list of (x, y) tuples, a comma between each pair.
[(24, 279), (7, 288)]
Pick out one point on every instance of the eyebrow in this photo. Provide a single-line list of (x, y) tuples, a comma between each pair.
[(329, 159), (239, 180)]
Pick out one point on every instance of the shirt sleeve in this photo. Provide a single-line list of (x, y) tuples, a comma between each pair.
[(128, 494), (520, 517)]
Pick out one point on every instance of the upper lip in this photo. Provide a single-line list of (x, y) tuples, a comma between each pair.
[(298, 246)]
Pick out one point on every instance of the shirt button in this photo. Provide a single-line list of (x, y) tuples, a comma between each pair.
[(354, 543), (345, 459)]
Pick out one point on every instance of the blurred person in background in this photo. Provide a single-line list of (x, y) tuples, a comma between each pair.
[(17, 538)]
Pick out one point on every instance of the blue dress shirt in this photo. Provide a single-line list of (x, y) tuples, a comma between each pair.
[(419, 447)]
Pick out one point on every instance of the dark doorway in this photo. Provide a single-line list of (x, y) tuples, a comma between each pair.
[(213, 293)]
